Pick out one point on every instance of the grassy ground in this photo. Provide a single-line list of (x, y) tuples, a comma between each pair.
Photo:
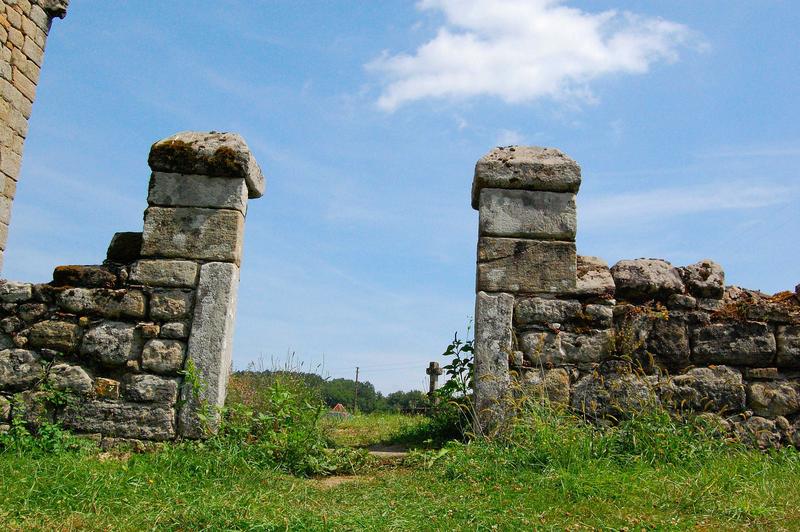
[(373, 429), (554, 480)]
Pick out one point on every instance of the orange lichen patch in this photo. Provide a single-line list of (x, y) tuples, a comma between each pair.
[(750, 305)]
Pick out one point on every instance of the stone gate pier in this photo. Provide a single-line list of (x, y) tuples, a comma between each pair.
[(140, 346), (605, 342)]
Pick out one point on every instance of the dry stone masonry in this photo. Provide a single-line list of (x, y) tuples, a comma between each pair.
[(140, 346), (24, 25), (609, 342)]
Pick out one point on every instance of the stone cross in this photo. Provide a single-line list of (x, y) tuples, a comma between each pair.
[(433, 371)]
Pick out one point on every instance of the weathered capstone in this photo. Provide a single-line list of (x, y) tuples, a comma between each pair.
[(788, 343), (537, 310), (550, 385), (103, 302), (12, 292), (125, 247), (20, 369), (492, 347), (57, 335), (84, 276), (717, 389), (151, 389), (163, 356), (704, 279), (210, 343), (112, 343), (70, 378), (193, 233), (527, 214), (124, 420), (166, 273), (170, 305), (642, 279), (525, 168), (614, 391), (774, 398), (738, 343), (525, 266), (210, 154), (179, 190)]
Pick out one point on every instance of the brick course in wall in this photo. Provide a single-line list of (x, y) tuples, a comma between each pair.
[(24, 26)]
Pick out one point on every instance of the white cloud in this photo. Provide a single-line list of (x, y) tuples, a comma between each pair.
[(623, 209), (521, 50), (509, 137)]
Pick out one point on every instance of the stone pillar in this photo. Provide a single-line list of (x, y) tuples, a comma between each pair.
[(24, 25), (526, 246), (195, 220)]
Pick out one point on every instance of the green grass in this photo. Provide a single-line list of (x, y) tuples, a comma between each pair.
[(554, 473), (372, 429)]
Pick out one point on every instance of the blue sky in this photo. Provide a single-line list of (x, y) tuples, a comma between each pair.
[(368, 117)]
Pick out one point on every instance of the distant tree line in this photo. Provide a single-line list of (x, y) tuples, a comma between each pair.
[(333, 391)]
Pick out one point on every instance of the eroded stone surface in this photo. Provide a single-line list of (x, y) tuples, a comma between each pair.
[(57, 335), (537, 310), (775, 398), (550, 385), (614, 391), (125, 420), (492, 348), (527, 214), (12, 292), (107, 303), (210, 154), (151, 389), (526, 168), (716, 389), (170, 305), (788, 343), (167, 273), (84, 276), (594, 278), (112, 343), (20, 369), (179, 190), (70, 378), (163, 356), (704, 279), (177, 330), (193, 233), (525, 266), (642, 279), (737, 343)]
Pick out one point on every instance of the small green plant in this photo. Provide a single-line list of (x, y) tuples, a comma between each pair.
[(460, 371)]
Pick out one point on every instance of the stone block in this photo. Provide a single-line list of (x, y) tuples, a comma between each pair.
[(643, 279), (210, 154), (527, 214), (5, 409), (31, 312), (492, 349), (210, 343), (614, 391), (163, 356), (167, 273), (180, 190), (106, 388), (177, 330), (548, 349), (103, 302), (151, 389), (12, 292), (71, 379), (669, 341), (541, 311), (599, 316), (717, 389), (704, 279), (549, 385), (124, 420), (57, 335), (525, 168), (170, 305), (193, 233), (738, 343), (788, 343), (681, 302), (84, 276), (774, 398), (525, 266), (112, 343), (19, 369), (124, 248), (593, 278)]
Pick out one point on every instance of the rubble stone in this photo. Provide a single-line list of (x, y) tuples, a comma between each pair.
[(163, 356), (642, 279), (745, 344), (102, 302), (704, 279), (20, 369), (124, 420), (84, 276), (57, 335), (112, 343), (151, 389), (717, 389), (167, 273), (776, 398), (170, 305)]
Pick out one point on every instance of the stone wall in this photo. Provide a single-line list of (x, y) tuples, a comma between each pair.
[(608, 342), (140, 346), (24, 25)]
